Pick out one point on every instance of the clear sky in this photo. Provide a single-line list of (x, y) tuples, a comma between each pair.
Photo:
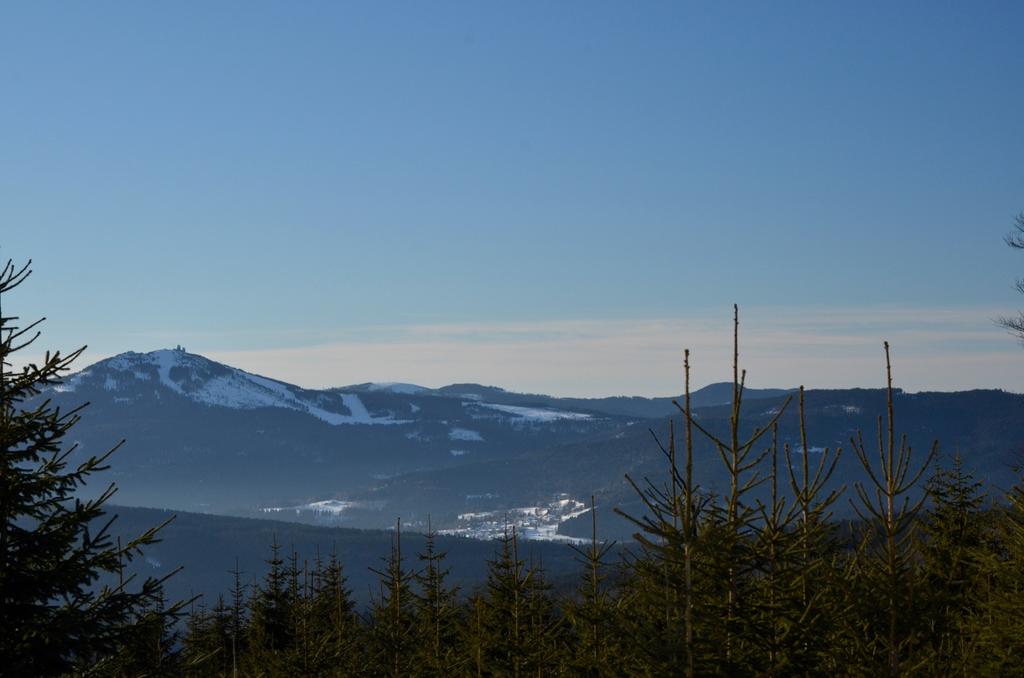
[(547, 196)]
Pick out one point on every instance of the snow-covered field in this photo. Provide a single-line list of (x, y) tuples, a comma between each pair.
[(533, 413)]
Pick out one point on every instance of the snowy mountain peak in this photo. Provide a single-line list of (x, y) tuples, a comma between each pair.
[(134, 375)]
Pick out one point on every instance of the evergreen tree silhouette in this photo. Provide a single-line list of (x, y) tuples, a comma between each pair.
[(60, 606), (438, 614)]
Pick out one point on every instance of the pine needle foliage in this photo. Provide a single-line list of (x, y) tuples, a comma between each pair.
[(392, 615), (592, 614), (334, 623), (953, 541), (809, 553), (437, 614), (886, 579), (998, 625), (63, 605), (687, 536), (270, 632)]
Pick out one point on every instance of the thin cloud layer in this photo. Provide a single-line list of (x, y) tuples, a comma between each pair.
[(933, 349)]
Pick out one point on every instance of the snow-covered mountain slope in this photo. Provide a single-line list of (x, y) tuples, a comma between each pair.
[(529, 413), (132, 375)]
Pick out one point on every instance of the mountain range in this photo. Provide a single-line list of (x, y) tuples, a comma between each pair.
[(210, 438)]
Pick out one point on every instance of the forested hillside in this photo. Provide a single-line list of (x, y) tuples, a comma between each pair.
[(208, 547)]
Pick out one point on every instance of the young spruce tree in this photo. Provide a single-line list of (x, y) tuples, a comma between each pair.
[(886, 587), (438, 616), (392, 635)]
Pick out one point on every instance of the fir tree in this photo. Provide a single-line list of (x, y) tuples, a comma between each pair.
[(301, 654), (659, 596), (238, 620), (698, 553), (505, 610), (998, 624), (392, 639), (59, 606), (207, 643), (270, 630), (543, 631), (475, 641), (812, 628), (592, 614), (731, 554), (152, 647), (333, 621), (438, 617), (953, 538), (888, 626), (776, 596)]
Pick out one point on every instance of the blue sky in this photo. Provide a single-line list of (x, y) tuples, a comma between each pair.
[(546, 196)]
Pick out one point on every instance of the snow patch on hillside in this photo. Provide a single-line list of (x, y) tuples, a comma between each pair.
[(71, 383), (123, 362), (242, 390), (356, 407), (535, 413), (232, 391), (811, 449), (326, 511), (465, 434), (165, 360)]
